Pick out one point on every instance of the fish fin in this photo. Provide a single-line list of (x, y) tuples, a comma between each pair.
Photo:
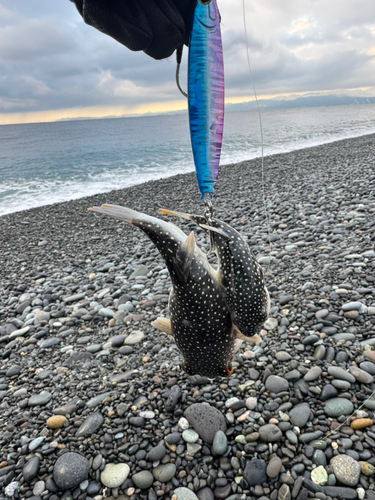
[(198, 219), (183, 215), (238, 335), (184, 257), (163, 325), (214, 230), (237, 345), (119, 212)]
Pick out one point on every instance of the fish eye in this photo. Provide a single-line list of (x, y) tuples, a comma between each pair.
[(229, 368)]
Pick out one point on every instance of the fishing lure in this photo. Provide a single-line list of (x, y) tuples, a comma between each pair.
[(206, 93)]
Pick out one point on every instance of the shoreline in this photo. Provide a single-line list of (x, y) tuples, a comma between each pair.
[(222, 167), (78, 293)]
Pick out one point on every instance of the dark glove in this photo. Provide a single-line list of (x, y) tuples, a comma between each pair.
[(157, 27)]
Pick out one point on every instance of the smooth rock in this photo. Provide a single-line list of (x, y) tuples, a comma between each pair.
[(276, 384), (156, 453), (92, 403), (190, 436), (164, 473), (134, 338), (274, 467), (255, 472), (206, 420), (361, 423), (40, 399), (186, 494), (270, 433), (143, 479), (314, 373), (338, 406), (31, 468), (92, 424), (300, 414), (70, 470), (220, 443), (319, 475), (361, 375), (346, 469), (56, 422), (114, 475)]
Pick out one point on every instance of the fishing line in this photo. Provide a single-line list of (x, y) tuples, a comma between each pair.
[(261, 129)]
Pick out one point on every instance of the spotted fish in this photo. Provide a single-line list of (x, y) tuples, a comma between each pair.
[(200, 321), (241, 276)]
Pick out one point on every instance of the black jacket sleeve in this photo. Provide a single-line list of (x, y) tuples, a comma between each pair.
[(157, 27)]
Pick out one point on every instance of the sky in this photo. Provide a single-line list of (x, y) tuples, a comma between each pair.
[(53, 66)]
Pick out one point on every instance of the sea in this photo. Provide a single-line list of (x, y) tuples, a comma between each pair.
[(44, 163)]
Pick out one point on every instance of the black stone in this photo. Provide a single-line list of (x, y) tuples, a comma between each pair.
[(70, 470), (31, 468), (255, 472)]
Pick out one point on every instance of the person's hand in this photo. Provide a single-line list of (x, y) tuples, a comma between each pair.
[(157, 27)]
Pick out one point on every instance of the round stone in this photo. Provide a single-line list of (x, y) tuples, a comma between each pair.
[(220, 443), (319, 458), (361, 423), (164, 473), (367, 469), (328, 392), (338, 406), (313, 374), (270, 433), (134, 338), (35, 443), (251, 403), (283, 356), (31, 468), (114, 475), (56, 422), (274, 467), (143, 479), (39, 487), (276, 384), (11, 489), (92, 424), (341, 374), (319, 475), (40, 399), (206, 420), (70, 470), (346, 469), (185, 494), (156, 453), (184, 424), (255, 472), (190, 436), (300, 414), (361, 375)]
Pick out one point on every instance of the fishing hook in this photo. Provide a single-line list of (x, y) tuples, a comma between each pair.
[(179, 57)]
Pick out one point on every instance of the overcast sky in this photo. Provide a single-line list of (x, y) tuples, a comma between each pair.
[(54, 66)]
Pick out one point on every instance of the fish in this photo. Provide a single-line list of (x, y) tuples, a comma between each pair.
[(200, 321), (241, 276), (206, 93)]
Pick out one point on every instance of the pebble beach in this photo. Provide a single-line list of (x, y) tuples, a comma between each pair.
[(94, 403)]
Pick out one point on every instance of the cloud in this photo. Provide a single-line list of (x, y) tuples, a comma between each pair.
[(51, 60)]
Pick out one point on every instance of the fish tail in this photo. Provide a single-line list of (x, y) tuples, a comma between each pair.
[(174, 246), (124, 213)]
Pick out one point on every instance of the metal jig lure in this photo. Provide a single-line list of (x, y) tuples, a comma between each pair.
[(205, 93)]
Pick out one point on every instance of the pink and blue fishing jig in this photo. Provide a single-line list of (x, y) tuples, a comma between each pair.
[(206, 93)]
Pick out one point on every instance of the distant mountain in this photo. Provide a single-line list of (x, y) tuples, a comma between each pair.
[(301, 102)]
